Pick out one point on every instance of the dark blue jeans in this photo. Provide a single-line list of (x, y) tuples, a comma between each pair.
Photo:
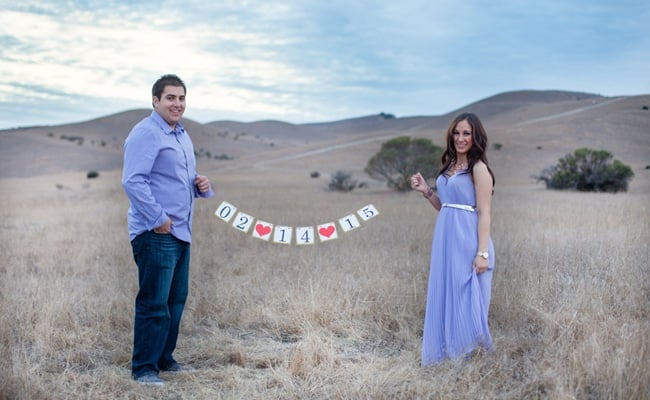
[(163, 275)]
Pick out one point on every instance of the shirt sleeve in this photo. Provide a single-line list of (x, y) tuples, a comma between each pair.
[(206, 195), (140, 152)]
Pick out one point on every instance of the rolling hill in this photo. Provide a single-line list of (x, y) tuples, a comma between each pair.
[(534, 129)]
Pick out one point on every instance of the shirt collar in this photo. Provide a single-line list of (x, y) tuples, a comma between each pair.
[(164, 126)]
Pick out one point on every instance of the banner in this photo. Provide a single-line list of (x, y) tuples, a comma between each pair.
[(304, 235)]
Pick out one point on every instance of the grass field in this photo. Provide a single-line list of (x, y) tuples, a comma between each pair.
[(570, 312)]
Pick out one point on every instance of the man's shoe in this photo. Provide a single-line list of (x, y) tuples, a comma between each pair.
[(150, 380), (178, 367)]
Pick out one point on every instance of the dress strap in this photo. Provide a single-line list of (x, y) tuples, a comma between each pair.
[(460, 206)]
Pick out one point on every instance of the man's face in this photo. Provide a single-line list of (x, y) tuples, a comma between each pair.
[(171, 104)]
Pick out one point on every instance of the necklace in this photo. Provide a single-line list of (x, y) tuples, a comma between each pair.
[(457, 167)]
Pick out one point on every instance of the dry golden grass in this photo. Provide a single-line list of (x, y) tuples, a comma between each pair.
[(570, 313)]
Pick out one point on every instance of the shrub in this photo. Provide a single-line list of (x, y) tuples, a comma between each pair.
[(401, 157), (497, 146), (92, 174), (342, 182), (315, 174), (78, 139), (588, 170)]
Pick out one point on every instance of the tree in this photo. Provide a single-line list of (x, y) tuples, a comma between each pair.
[(401, 157), (588, 170)]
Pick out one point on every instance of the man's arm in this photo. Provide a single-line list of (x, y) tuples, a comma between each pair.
[(140, 152)]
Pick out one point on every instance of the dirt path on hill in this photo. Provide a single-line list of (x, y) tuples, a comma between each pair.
[(251, 163), (564, 114), (321, 150)]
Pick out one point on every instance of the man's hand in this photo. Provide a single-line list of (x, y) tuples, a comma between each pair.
[(202, 183), (164, 228)]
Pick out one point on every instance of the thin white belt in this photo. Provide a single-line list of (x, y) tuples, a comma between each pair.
[(460, 206)]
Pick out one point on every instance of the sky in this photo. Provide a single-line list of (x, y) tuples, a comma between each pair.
[(304, 61)]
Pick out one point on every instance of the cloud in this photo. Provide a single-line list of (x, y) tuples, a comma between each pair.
[(311, 60)]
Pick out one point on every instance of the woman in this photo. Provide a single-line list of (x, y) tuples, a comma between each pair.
[(462, 254)]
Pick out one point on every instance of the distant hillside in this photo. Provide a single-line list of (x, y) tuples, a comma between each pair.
[(533, 127), (500, 104)]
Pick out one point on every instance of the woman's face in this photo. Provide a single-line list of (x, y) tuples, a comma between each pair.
[(462, 135)]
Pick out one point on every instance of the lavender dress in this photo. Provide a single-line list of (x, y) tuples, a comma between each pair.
[(456, 317)]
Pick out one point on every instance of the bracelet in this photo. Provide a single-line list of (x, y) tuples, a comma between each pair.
[(428, 194)]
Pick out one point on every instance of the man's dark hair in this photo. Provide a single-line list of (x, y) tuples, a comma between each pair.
[(164, 81)]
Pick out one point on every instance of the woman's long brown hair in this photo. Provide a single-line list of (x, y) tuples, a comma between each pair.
[(479, 145)]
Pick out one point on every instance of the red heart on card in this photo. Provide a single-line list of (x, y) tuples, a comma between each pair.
[(327, 231), (262, 230)]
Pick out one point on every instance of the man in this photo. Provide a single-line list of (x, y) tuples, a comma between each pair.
[(160, 180)]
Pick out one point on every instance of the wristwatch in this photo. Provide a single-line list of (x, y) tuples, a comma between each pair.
[(483, 254)]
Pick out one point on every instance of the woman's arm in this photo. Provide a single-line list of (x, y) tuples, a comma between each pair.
[(483, 189), (418, 184)]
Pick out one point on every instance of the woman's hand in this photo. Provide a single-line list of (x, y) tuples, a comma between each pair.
[(480, 264), (418, 183)]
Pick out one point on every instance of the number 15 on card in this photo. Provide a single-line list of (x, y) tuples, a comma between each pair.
[(368, 212)]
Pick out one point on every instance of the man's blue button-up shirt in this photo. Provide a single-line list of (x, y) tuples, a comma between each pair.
[(158, 177)]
